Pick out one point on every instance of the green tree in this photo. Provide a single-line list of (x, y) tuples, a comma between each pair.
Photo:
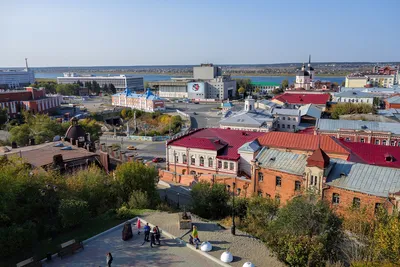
[(138, 200), (73, 212), (112, 88), (351, 108), (241, 90), (146, 85), (3, 116), (277, 91), (210, 201), (67, 89), (92, 127), (306, 232), (259, 214), (95, 87), (105, 88), (135, 176), (343, 84), (285, 84), (40, 127)]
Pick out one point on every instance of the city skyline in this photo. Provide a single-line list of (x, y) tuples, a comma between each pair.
[(143, 33)]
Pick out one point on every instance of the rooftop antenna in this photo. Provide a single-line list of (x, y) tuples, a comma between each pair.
[(26, 63)]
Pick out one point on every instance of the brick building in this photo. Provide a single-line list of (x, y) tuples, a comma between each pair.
[(31, 99), (371, 132), (146, 102), (211, 151), (392, 102)]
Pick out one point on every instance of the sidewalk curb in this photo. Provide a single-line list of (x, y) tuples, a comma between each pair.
[(205, 254)]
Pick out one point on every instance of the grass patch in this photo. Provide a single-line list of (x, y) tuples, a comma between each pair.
[(91, 228)]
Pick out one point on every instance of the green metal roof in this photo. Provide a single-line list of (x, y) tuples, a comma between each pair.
[(265, 84)]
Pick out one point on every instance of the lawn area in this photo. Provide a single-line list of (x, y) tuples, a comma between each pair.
[(91, 228)]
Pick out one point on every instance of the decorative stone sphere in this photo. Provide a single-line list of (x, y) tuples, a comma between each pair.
[(248, 264), (206, 246), (226, 257)]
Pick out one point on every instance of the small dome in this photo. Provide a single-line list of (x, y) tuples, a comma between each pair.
[(248, 264), (206, 246), (75, 131), (226, 257)]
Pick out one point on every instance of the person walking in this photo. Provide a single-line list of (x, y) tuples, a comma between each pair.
[(158, 235), (153, 237), (195, 236), (109, 259), (146, 229)]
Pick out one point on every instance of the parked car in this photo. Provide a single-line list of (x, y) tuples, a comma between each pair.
[(131, 148), (158, 160), (194, 113)]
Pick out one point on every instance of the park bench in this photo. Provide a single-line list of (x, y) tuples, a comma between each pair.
[(69, 247), (29, 263)]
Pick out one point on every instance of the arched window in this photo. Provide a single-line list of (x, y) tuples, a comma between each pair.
[(210, 162), (192, 172), (192, 160), (201, 161), (184, 158)]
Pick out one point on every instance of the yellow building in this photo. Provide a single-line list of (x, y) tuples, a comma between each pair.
[(356, 81)]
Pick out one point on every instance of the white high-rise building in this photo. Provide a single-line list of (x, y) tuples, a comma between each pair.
[(12, 78)]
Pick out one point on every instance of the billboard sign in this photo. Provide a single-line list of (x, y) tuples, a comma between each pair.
[(196, 87)]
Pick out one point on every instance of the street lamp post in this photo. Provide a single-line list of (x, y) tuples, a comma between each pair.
[(233, 228), (178, 199)]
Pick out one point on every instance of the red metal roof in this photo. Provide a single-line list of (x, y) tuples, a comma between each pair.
[(225, 141), (318, 99), (301, 142), (372, 154), (319, 159)]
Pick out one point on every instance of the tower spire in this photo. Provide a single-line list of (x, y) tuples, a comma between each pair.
[(309, 59), (26, 64)]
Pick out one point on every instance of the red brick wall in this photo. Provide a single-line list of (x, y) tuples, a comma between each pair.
[(285, 191), (15, 96), (346, 200), (393, 105)]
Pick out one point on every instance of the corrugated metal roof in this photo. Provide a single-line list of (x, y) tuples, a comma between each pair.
[(310, 110), (334, 125), (249, 119), (286, 111), (394, 99), (369, 179), (282, 161), (354, 94), (252, 146)]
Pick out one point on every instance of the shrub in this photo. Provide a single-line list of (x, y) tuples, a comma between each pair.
[(124, 213), (138, 200), (73, 212), (16, 237)]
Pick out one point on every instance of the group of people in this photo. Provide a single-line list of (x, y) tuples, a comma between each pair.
[(154, 235)]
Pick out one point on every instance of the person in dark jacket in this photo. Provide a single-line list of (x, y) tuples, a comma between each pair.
[(158, 235), (146, 229), (153, 237), (109, 259)]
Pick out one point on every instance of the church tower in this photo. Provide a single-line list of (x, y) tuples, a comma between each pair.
[(310, 71), (249, 104)]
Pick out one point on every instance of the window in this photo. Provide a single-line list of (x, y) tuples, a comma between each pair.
[(347, 139), (377, 142), (283, 118), (231, 166), (356, 202), (278, 181), (393, 143), (201, 161), (288, 118), (362, 140), (288, 126), (184, 158), (210, 162), (176, 158), (260, 177), (384, 142), (335, 198), (219, 164), (313, 180), (193, 160), (279, 126), (225, 165), (267, 195), (297, 186), (294, 126), (283, 126)]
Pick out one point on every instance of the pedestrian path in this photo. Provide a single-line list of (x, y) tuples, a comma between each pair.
[(134, 252), (243, 247)]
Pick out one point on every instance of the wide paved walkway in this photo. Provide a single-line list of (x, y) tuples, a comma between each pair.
[(132, 253)]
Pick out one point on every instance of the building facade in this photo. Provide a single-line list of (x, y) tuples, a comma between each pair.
[(120, 82), (392, 102), (264, 87), (354, 97), (207, 84), (32, 100), (371, 80), (287, 120), (371, 132), (12, 79), (146, 102)]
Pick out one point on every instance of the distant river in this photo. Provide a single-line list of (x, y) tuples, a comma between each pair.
[(157, 77)]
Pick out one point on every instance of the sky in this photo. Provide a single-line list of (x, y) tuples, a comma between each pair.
[(180, 32)]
